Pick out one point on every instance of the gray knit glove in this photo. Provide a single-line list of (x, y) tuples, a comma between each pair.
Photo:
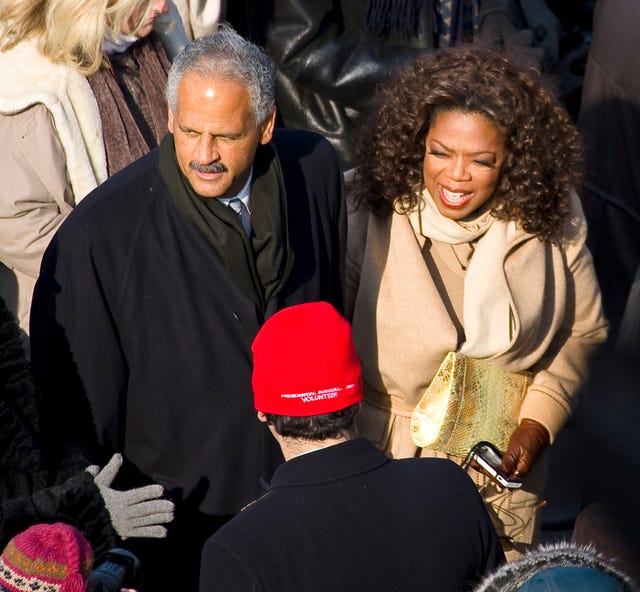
[(136, 512)]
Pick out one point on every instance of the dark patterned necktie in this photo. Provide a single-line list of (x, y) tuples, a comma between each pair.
[(237, 205)]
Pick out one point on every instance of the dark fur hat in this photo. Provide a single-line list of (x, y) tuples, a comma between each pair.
[(546, 563)]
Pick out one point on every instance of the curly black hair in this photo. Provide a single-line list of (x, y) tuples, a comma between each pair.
[(544, 149)]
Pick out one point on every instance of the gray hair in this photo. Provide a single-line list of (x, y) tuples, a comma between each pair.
[(225, 54)]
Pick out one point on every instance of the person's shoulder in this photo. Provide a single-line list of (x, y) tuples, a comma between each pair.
[(304, 144), (28, 76), (443, 465), (228, 565), (574, 231), (118, 202), (439, 469), (284, 136), (130, 188), (255, 521), (25, 121)]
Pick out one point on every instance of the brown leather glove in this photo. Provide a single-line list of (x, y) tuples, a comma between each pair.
[(528, 440)]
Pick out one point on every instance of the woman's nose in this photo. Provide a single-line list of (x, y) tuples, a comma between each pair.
[(459, 170)]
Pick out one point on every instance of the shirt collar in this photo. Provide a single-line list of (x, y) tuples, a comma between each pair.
[(244, 194), (329, 464)]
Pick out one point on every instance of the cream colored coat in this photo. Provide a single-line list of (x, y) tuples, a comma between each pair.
[(403, 331), (51, 156)]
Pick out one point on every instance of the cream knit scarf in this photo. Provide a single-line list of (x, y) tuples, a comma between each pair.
[(489, 318)]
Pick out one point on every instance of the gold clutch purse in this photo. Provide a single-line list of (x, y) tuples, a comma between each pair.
[(468, 400)]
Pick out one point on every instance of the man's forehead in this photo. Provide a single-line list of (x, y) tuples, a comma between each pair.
[(198, 91), (216, 79)]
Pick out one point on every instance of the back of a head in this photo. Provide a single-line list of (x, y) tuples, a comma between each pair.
[(559, 567), (48, 557), (227, 55)]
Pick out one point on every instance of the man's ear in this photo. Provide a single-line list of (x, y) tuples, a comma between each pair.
[(267, 128), (262, 417)]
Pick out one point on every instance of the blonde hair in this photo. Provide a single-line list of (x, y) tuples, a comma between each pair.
[(71, 32)]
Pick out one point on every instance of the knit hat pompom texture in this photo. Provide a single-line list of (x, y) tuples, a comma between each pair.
[(46, 558), (305, 362)]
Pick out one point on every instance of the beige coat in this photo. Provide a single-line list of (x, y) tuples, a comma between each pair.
[(403, 331), (51, 156)]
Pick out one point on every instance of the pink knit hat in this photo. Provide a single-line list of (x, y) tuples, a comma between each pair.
[(305, 362), (47, 558)]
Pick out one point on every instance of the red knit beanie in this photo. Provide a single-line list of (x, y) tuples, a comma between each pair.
[(46, 558), (305, 362)]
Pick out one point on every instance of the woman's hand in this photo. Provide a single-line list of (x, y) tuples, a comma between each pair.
[(528, 440)]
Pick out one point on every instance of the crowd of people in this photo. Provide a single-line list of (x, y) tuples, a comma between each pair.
[(364, 223)]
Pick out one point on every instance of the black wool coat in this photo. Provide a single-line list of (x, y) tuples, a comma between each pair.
[(348, 518), (137, 327)]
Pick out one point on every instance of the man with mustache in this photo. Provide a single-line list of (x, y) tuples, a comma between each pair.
[(152, 291)]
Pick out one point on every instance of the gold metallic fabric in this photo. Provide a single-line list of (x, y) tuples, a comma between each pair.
[(468, 400)]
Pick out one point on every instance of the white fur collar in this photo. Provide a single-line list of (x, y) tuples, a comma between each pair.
[(29, 78)]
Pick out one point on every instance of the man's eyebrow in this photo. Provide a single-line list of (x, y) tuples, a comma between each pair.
[(232, 135)]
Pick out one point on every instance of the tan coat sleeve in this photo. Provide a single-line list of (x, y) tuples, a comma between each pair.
[(564, 366), (35, 197)]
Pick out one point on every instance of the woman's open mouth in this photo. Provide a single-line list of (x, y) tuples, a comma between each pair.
[(454, 199)]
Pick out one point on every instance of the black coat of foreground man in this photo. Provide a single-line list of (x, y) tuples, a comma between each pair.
[(339, 514)]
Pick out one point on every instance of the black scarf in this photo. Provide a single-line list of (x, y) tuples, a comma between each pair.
[(260, 264)]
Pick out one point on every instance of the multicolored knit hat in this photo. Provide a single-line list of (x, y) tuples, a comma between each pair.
[(305, 362), (46, 558)]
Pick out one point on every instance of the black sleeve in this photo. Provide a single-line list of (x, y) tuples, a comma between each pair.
[(77, 360), (313, 46), (19, 447), (324, 45), (220, 569), (77, 502)]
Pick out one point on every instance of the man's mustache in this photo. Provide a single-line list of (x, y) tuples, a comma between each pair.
[(213, 167)]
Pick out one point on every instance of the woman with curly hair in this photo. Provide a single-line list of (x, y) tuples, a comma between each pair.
[(466, 235)]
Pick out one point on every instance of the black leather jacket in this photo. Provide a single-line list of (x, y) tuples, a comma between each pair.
[(328, 63)]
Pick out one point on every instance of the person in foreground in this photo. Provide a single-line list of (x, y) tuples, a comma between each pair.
[(466, 236), (339, 514), (153, 289)]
